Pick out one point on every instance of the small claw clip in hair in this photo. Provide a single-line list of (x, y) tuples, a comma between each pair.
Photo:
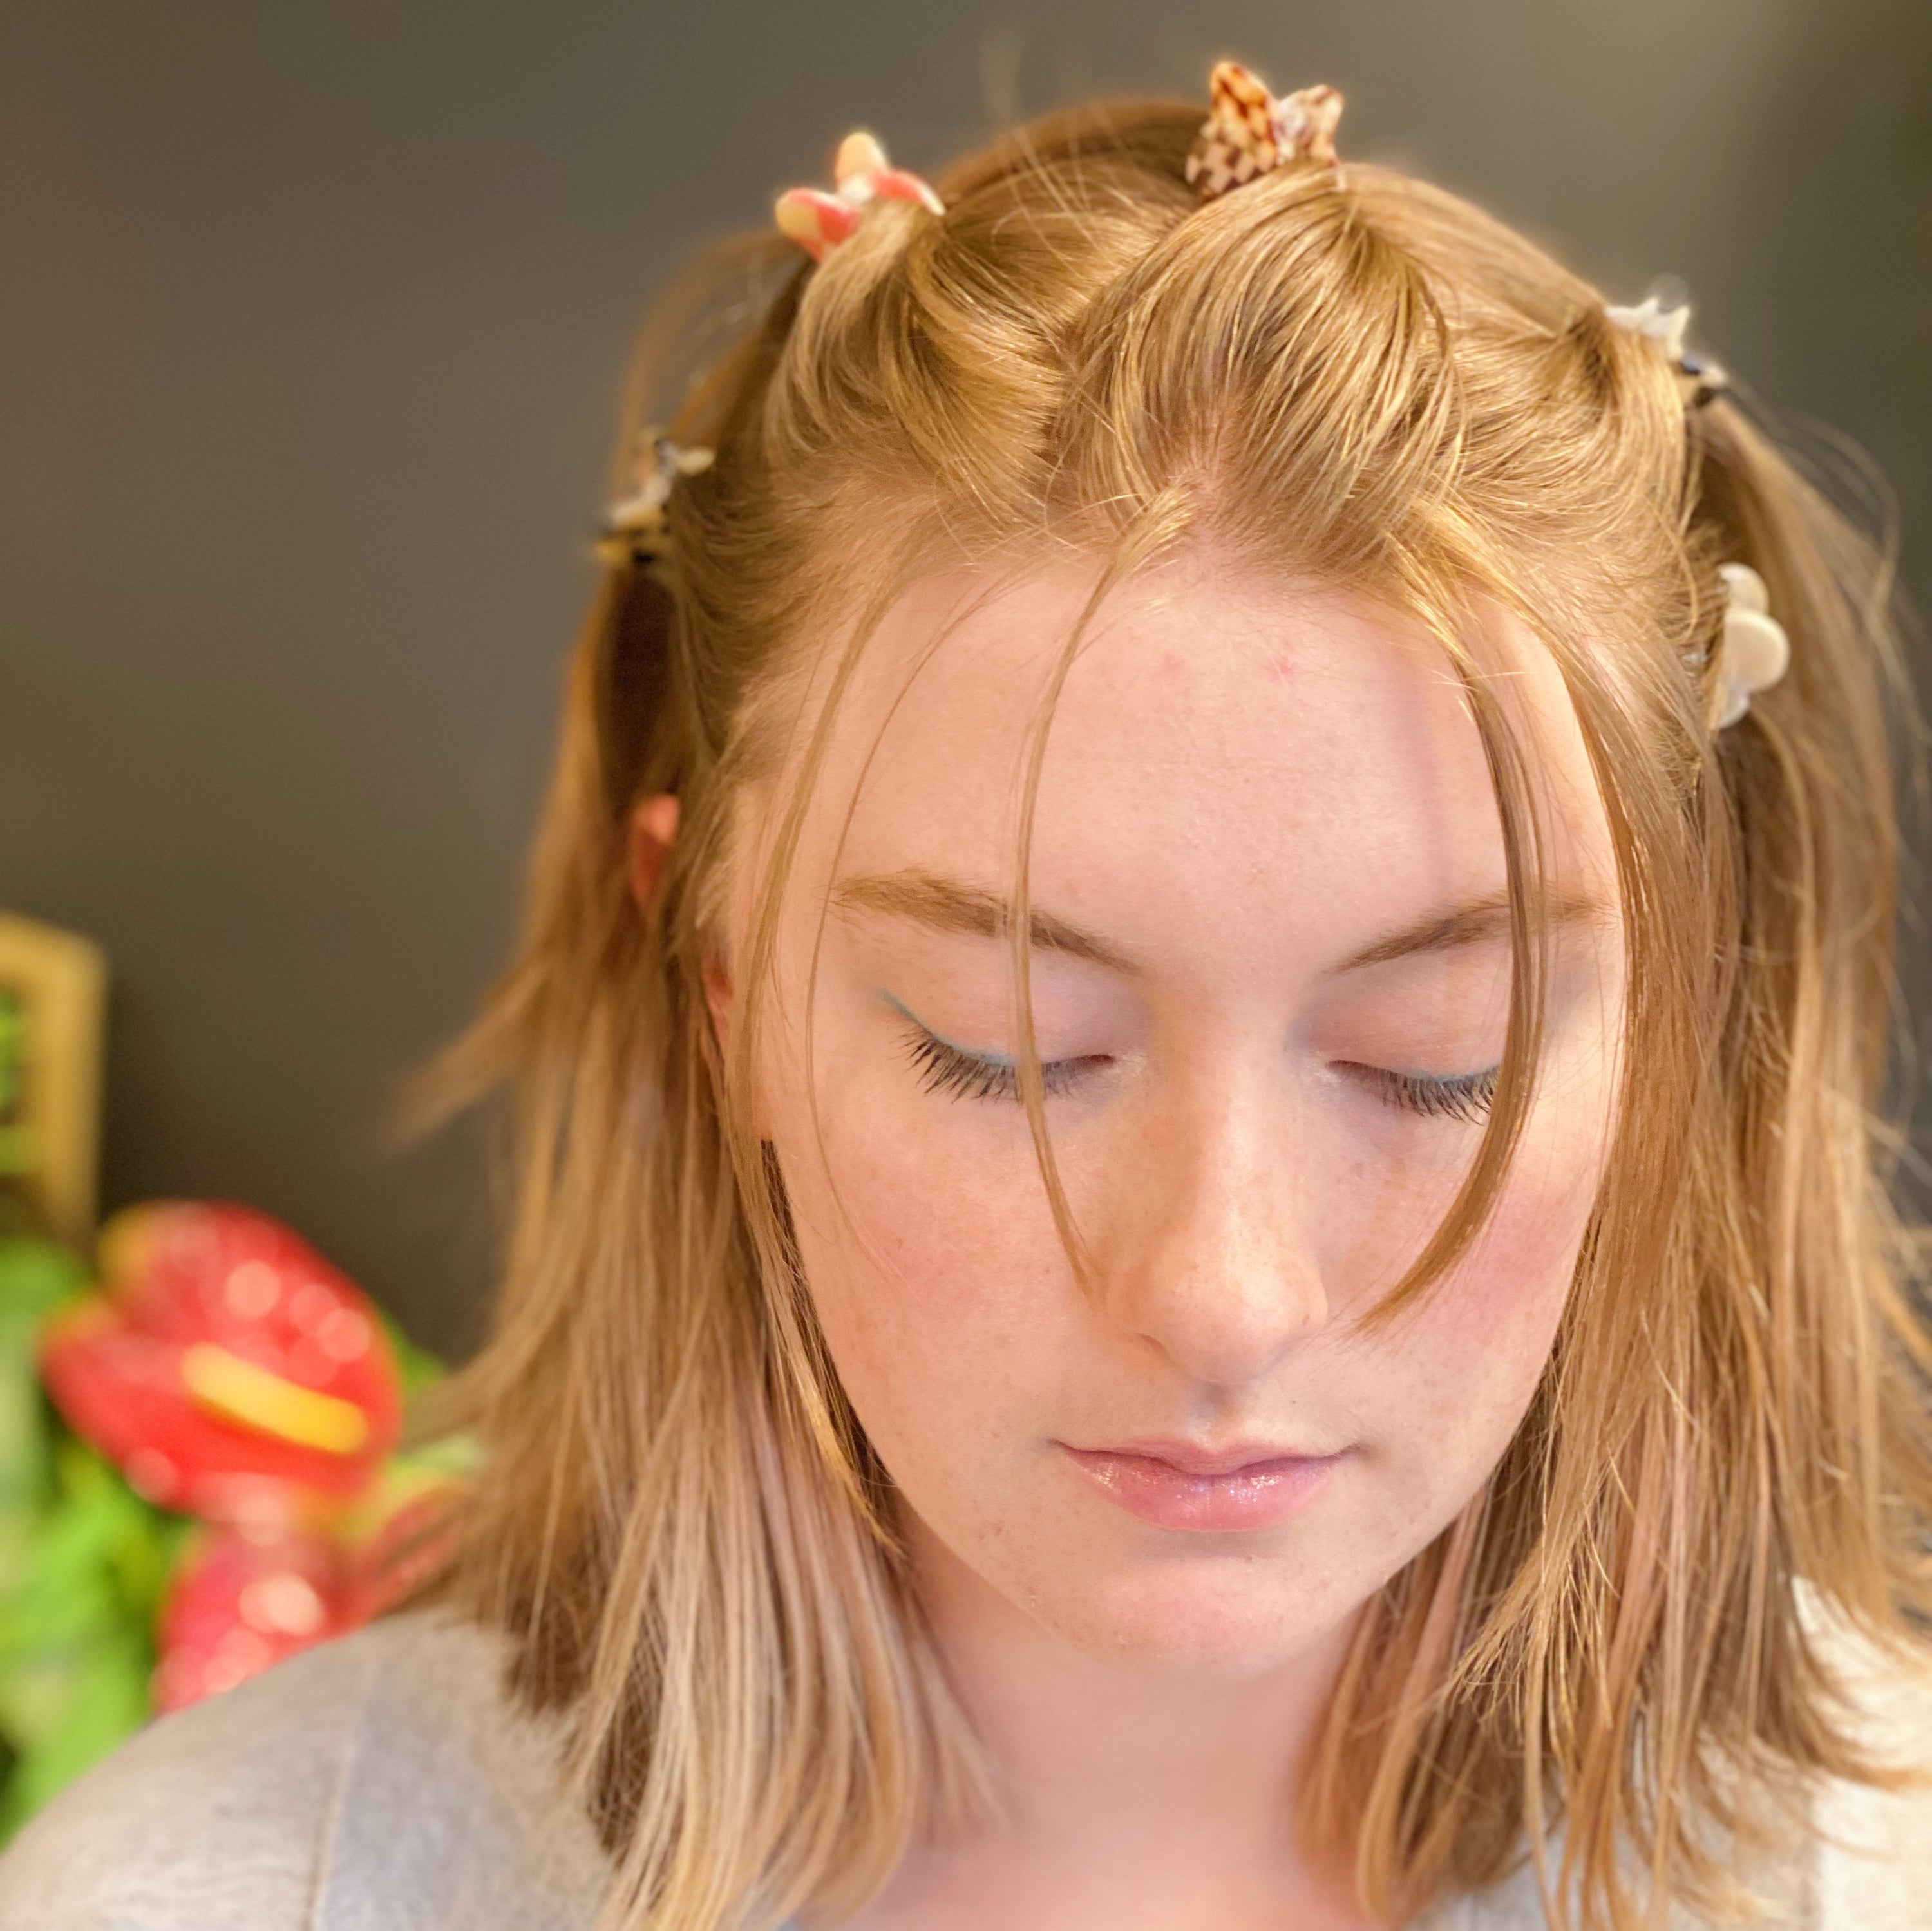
[(1663, 317), (635, 531), (1754, 651), (1248, 133), (818, 222)]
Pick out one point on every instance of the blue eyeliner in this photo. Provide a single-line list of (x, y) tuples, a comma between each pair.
[(906, 1012)]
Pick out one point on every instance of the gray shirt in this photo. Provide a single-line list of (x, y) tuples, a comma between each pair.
[(383, 1783)]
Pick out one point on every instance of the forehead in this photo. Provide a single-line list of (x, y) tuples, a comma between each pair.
[(1233, 747)]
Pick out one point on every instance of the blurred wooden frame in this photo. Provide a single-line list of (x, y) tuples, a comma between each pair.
[(53, 988)]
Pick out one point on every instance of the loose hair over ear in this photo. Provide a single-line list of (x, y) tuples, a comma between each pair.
[(681, 1526)]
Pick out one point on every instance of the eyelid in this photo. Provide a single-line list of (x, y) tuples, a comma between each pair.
[(939, 1039)]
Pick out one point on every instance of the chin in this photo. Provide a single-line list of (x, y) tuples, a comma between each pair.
[(1223, 1616)]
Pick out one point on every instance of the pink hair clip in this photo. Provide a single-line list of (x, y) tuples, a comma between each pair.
[(818, 222), (1248, 131)]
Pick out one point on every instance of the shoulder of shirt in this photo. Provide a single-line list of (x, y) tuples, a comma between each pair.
[(381, 1781), (1873, 1870), (1868, 1865)]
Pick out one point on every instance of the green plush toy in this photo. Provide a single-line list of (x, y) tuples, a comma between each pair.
[(83, 1564), (220, 1485)]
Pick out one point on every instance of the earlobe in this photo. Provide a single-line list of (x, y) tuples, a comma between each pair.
[(653, 831)]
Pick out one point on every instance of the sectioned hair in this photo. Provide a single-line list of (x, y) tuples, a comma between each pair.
[(681, 1526)]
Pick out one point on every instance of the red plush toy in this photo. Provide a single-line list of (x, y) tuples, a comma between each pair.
[(243, 1599), (231, 1373), (226, 1367)]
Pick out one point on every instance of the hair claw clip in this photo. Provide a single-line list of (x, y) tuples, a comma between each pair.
[(818, 222), (1664, 316), (1655, 322), (1248, 133), (634, 530), (1755, 652)]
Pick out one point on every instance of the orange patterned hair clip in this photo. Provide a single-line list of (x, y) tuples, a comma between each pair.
[(818, 222), (1248, 133)]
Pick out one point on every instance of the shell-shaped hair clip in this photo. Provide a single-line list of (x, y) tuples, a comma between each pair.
[(1249, 133), (635, 531), (1754, 651), (818, 222), (1664, 316)]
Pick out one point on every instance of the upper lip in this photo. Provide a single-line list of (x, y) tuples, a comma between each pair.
[(1193, 1458)]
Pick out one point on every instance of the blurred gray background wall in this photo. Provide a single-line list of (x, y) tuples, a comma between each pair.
[(312, 317)]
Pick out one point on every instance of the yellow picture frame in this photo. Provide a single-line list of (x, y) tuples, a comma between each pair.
[(53, 989)]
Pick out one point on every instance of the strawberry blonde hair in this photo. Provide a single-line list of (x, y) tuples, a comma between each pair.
[(682, 1528)]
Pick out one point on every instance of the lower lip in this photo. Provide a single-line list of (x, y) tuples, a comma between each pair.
[(1260, 1495)]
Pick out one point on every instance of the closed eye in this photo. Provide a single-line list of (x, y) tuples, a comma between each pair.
[(944, 1068), (1464, 1096)]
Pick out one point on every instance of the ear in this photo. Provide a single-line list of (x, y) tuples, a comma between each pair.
[(652, 829)]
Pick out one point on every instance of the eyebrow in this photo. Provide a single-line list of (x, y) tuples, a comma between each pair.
[(950, 905), (1481, 921)]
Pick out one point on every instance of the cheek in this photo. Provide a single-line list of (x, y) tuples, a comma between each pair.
[(1470, 1358), (933, 1275)]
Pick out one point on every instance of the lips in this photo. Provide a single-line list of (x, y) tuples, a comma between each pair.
[(1182, 1486)]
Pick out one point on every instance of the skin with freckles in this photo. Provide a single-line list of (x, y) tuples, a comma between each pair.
[(1270, 977)]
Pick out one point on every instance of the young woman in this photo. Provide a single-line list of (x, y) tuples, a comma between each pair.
[(1197, 1240)]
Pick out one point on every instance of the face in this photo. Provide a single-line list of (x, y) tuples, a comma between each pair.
[(1269, 976)]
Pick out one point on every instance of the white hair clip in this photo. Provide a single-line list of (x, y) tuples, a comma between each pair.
[(1754, 651), (1664, 316), (1653, 320), (634, 531)]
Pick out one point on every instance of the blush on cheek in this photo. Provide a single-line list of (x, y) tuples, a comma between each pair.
[(1488, 1326), (1509, 1288), (1521, 1264)]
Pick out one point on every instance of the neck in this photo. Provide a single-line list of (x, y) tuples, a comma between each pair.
[(1128, 1795)]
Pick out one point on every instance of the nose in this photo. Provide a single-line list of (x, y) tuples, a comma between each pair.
[(1208, 1256)]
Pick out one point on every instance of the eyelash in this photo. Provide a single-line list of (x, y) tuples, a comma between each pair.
[(1464, 1096), (944, 1068)]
